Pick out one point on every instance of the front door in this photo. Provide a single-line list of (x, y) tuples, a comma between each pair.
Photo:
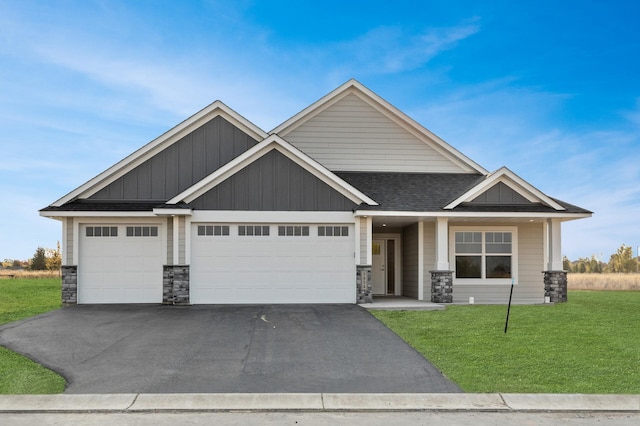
[(378, 267)]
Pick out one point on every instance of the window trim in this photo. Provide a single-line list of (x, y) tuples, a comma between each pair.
[(484, 230)]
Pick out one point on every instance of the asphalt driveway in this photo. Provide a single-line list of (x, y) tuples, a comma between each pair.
[(223, 348)]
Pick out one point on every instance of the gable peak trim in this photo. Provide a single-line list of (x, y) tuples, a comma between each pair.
[(251, 155), (353, 86), (513, 181), (168, 138)]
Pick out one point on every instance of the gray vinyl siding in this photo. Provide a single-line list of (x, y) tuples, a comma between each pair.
[(363, 241), (180, 165), (273, 183), (351, 135), (68, 250), (500, 194), (529, 286), (170, 241), (410, 261)]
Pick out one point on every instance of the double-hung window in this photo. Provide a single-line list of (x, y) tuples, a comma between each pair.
[(484, 255)]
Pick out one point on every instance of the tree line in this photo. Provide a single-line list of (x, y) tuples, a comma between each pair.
[(44, 259), (622, 261)]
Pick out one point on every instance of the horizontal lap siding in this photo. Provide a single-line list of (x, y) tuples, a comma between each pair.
[(410, 261), (529, 286), (351, 135)]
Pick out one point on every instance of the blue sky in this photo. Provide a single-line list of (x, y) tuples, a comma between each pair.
[(548, 88)]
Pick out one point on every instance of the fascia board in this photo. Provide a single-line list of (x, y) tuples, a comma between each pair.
[(513, 181), (388, 110), (160, 143), (57, 214), (172, 212), (471, 215), (251, 155)]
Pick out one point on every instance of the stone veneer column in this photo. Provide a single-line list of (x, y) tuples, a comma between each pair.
[(363, 284), (441, 286), (175, 285), (69, 285), (555, 286)]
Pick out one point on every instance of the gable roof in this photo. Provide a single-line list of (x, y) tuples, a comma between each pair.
[(431, 192), (270, 143), (513, 181), (353, 87), (216, 109)]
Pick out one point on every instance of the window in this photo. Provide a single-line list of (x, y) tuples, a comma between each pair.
[(253, 230), (101, 231), (333, 231), (484, 255), (142, 231), (213, 230), (293, 231)]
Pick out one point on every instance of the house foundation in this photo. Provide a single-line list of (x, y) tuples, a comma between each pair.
[(175, 285), (69, 285), (441, 286), (555, 286)]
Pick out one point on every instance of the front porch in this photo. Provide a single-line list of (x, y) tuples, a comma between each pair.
[(401, 303), (407, 260)]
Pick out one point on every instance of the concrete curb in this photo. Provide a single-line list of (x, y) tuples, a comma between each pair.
[(318, 402)]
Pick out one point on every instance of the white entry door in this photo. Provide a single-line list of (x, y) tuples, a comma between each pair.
[(378, 266)]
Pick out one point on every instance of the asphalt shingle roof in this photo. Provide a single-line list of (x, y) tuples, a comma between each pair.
[(430, 192)]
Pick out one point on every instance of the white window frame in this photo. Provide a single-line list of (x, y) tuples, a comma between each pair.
[(484, 230)]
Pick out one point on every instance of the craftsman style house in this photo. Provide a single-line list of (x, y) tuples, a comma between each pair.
[(348, 199)]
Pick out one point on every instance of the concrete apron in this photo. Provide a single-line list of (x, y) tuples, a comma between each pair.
[(495, 402)]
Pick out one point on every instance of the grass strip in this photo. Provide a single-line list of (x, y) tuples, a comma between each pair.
[(589, 345), (24, 298)]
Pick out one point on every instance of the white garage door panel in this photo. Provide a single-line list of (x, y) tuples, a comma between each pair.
[(120, 269), (272, 269)]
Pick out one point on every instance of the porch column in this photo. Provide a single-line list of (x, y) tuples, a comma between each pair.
[(442, 244), (555, 278), (442, 276), (175, 275), (554, 263), (364, 239)]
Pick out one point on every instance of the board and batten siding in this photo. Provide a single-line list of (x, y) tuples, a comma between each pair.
[(180, 165), (351, 135), (410, 261), (529, 286), (273, 183)]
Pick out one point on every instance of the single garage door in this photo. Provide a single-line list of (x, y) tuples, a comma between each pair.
[(120, 264), (267, 263)]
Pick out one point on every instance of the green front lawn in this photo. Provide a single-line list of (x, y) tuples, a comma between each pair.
[(23, 298), (589, 345)]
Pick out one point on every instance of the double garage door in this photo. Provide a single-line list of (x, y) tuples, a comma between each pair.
[(272, 263), (230, 263)]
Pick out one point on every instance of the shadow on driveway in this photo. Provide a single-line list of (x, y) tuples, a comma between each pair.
[(223, 348)]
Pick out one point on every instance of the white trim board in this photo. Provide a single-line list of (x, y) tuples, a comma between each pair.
[(416, 129), (259, 150), (513, 181), (216, 109)]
